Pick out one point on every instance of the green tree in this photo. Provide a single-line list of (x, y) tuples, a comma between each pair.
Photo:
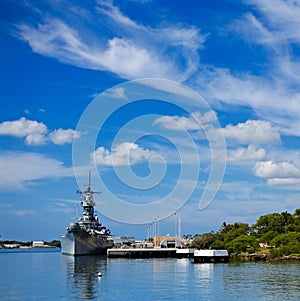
[(268, 236), (242, 243), (297, 213), (286, 219), (286, 244), (54, 243), (218, 244), (284, 239), (281, 230), (203, 241), (270, 222), (235, 231)]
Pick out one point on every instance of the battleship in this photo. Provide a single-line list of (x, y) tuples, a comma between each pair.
[(87, 235)]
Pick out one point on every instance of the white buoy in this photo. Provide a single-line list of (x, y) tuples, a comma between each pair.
[(99, 274)]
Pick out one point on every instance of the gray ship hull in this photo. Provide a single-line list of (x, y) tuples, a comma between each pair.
[(83, 243)]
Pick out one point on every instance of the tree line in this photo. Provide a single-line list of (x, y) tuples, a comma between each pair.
[(275, 233), (53, 243)]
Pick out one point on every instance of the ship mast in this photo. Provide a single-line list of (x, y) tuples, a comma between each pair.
[(89, 187), (88, 203)]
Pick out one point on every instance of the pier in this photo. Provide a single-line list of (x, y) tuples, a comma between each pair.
[(200, 256), (142, 253), (185, 253)]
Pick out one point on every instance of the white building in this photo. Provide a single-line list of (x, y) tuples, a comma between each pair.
[(38, 243)]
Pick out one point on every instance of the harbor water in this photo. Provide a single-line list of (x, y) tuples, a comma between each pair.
[(46, 274)]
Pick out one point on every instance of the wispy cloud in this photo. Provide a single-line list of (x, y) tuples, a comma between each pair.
[(193, 122), (250, 153), (271, 94), (131, 49), (19, 169), (278, 22), (136, 51), (117, 93), (66, 207), (272, 97), (23, 212)]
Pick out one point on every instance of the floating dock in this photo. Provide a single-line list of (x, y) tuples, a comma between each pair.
[(211, 256)]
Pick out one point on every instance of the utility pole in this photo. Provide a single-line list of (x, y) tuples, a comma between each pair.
[(179, 226), (175, 224)]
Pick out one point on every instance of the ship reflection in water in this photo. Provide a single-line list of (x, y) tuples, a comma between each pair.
[(82, 275)]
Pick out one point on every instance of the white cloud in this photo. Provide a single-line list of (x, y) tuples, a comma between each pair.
[(130, 60), (23, 212), (252, 132), (35, 139), (62, 136), (271, 95), (136, 51), (283, 181), (279, 30), (19, 169), (124, 154), (36, 133), (193, 122), (107, 8), (260, 93), (254, 30), (277, 27), (143, 51), (271, 169), (277, 173), (280, 21), (23, 128), (63, 206), (252, 152), (117, 93), (118, 55)]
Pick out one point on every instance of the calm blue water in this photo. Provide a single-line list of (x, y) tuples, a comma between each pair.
[(48, 275)]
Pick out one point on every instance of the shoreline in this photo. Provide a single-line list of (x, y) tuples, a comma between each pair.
[(264, 257), (28, 247), (244, 257)]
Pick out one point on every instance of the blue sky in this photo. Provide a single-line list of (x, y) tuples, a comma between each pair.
[(74, 94)]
